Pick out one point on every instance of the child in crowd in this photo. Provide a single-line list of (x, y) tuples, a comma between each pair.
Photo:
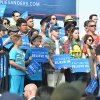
[(35, 43), (17, 66)]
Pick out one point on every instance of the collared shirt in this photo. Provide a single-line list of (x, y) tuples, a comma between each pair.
[(31, 98)]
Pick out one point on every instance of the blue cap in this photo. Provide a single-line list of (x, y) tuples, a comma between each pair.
[(54, 27)]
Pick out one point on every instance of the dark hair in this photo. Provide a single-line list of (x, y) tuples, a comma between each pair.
[(86, 23), (15, 11), (90, 17), (8, 22), (44, 93), (86, 38), (71, 37), (20, 21)]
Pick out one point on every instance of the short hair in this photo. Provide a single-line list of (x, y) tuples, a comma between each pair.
[(15, 11), (86, 23), (44, 93), (20, 21), (90, 17), (15, 38)]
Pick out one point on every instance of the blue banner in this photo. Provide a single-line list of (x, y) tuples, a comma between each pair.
[(62, 61), (80, 65), (2, 10), (40, 54), (25, 43), (35, 71), (40, 7), (92, 86)]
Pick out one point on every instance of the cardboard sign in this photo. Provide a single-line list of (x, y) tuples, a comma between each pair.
[(62, 61), (40, 54), (25, 43), (80, 65), (92, 86)]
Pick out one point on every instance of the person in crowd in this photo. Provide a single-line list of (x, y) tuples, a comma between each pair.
[(54, 77), (32, 32), (89, 52), (30, 91), (6, 22), (44, 93), (10, 96), (93, 17), (17, 68), (15, 17), (85, 31), (35, 43), (11, 31), (74, 47), (98, 59), (92, 29), (22, 25), (30, 22), (43, 30), (68, 91)]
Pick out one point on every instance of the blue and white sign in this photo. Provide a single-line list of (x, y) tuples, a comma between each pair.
[(62, 61), (2, 10), (2, 66), (24, 15), (25, 43), (92, 86), (40, 7), (33, 67), (8, 44), (80, 65), (35, 71), (61, 32), (40, 54)]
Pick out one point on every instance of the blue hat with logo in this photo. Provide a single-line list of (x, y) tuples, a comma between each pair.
[(54, 27)]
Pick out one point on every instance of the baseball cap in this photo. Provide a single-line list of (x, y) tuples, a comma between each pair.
[(54, 27), (2, 28), (29, 17), (13, 28)]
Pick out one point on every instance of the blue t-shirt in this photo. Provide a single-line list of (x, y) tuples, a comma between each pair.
[(19, 58)]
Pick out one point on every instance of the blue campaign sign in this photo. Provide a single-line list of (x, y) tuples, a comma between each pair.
[(2, 10), (40, 7), (34, 70), (62, 61), (8, 44), (61, 32), (24, 15), (2, 66), (92, 86), (40, 54), (25, 43), (80, 65)]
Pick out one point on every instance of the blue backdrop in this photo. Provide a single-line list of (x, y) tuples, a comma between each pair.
[(40, 7)]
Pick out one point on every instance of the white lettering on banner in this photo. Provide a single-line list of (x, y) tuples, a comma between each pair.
[(19, 3)]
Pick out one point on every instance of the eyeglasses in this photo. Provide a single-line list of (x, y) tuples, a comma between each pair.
[(92, 26), (90, 40), (53, 18)]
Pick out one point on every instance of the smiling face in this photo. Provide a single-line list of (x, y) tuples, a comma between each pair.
[(75, 34), (89, 41)]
